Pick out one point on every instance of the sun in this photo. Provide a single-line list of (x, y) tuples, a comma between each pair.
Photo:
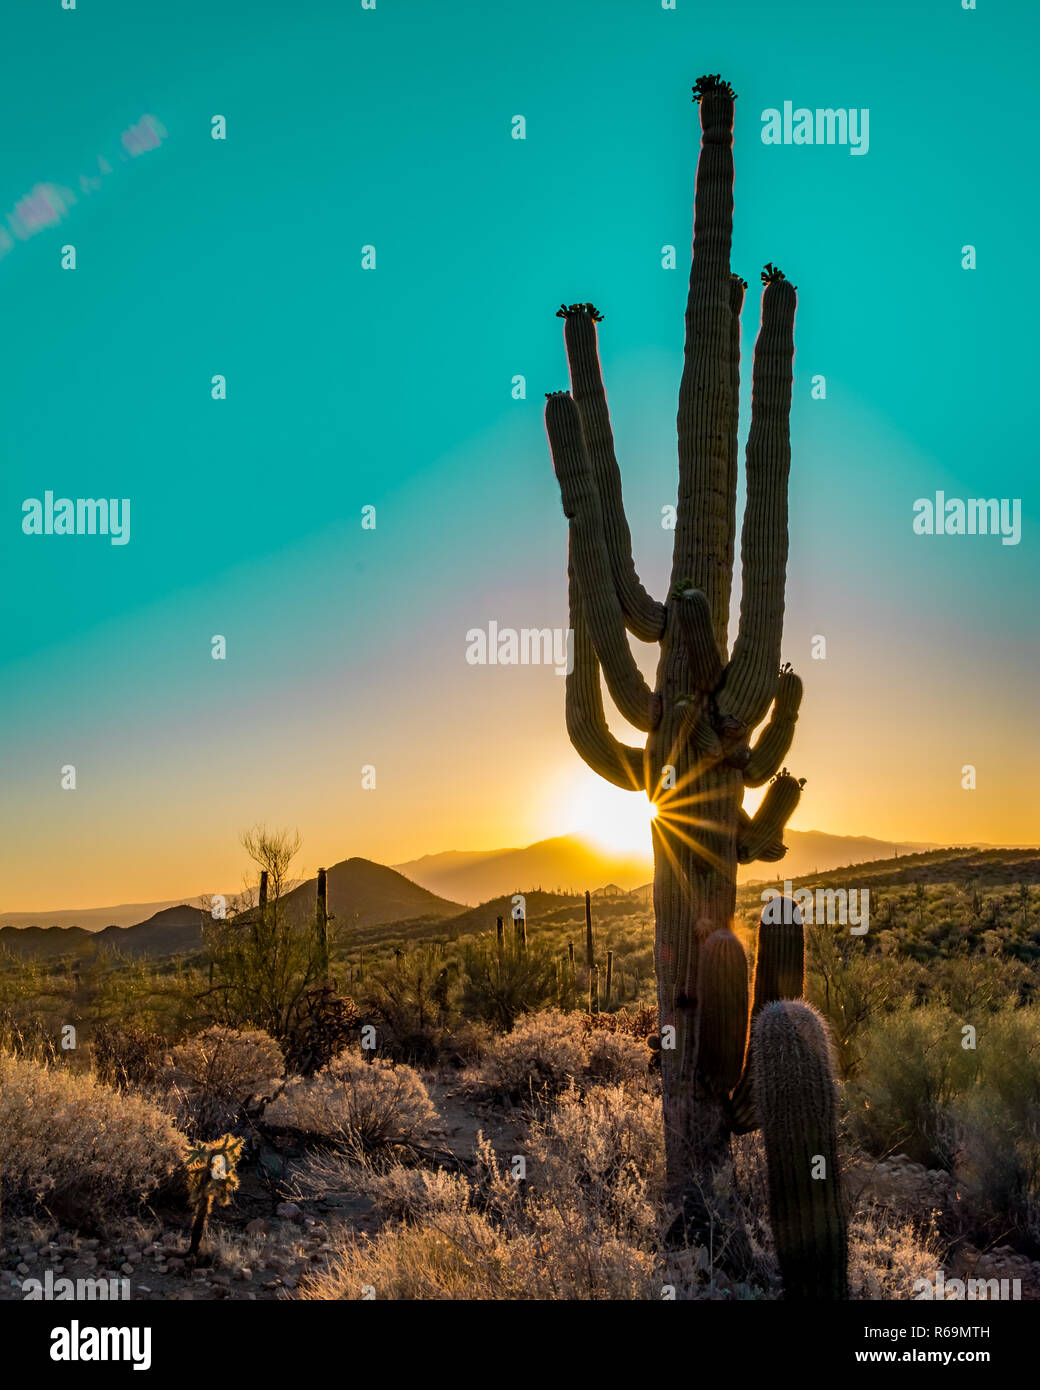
[(610, 818)]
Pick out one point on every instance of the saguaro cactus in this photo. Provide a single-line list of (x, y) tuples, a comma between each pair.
[(707, 700)]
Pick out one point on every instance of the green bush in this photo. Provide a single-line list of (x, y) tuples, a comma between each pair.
[(912, 1067), (500, 984)]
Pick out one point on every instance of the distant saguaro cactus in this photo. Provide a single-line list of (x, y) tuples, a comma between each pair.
[(707, 700), (322, 925)]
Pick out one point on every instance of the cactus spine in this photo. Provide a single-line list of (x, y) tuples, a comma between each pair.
[(707, 699)]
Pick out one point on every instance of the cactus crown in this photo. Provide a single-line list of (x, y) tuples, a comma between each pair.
[(772, 274), (573, 311), (712, 82), (739, 279)]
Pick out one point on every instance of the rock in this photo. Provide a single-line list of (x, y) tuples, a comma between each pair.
[(245, 1273), (143, 1288), (256, 1227), (174, 1263), (221, 1280), (126, 1268), (289, 1211), (23, 1268)]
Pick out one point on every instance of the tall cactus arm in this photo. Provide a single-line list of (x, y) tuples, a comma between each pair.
[(695, 620), (737, 290), (751, 679), (759, 835), (704, 527), (775, 740), (644, 616), (586, 723), (588, 552)]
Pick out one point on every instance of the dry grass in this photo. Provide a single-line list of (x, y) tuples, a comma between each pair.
[(578, 1220)]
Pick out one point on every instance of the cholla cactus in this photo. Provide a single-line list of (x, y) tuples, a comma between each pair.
[(212, 1178), (707, 699)]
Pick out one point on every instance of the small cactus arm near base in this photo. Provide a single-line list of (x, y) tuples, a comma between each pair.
[(796, 1097)]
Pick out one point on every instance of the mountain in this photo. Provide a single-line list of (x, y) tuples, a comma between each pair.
[(565, 863), (815, 851), (572, 865), (362, 894), (168, 932)]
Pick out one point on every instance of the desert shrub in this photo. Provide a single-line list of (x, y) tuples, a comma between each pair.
[(887, 1254), (540, 1057), (460, 1255), (539, 1252), (220, 1071), (326, 1024), (129, 1056), (849, 988), (639, 1024), (412, 999), (470, 1042), (22, 1035), (913, 1065), (501, 983), (584, 1227), (358, 1103), (616, 1056), (78, 1148), (995, 1129), (607, 1145), (413, 1194)]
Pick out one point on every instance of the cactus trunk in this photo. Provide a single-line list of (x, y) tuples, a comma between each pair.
[(322, 924)]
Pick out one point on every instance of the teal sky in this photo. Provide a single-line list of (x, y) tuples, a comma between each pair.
[(391, 388)]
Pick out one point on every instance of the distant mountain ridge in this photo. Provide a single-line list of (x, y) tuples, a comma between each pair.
[(570, 864), (374, 904), (446, 884)]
